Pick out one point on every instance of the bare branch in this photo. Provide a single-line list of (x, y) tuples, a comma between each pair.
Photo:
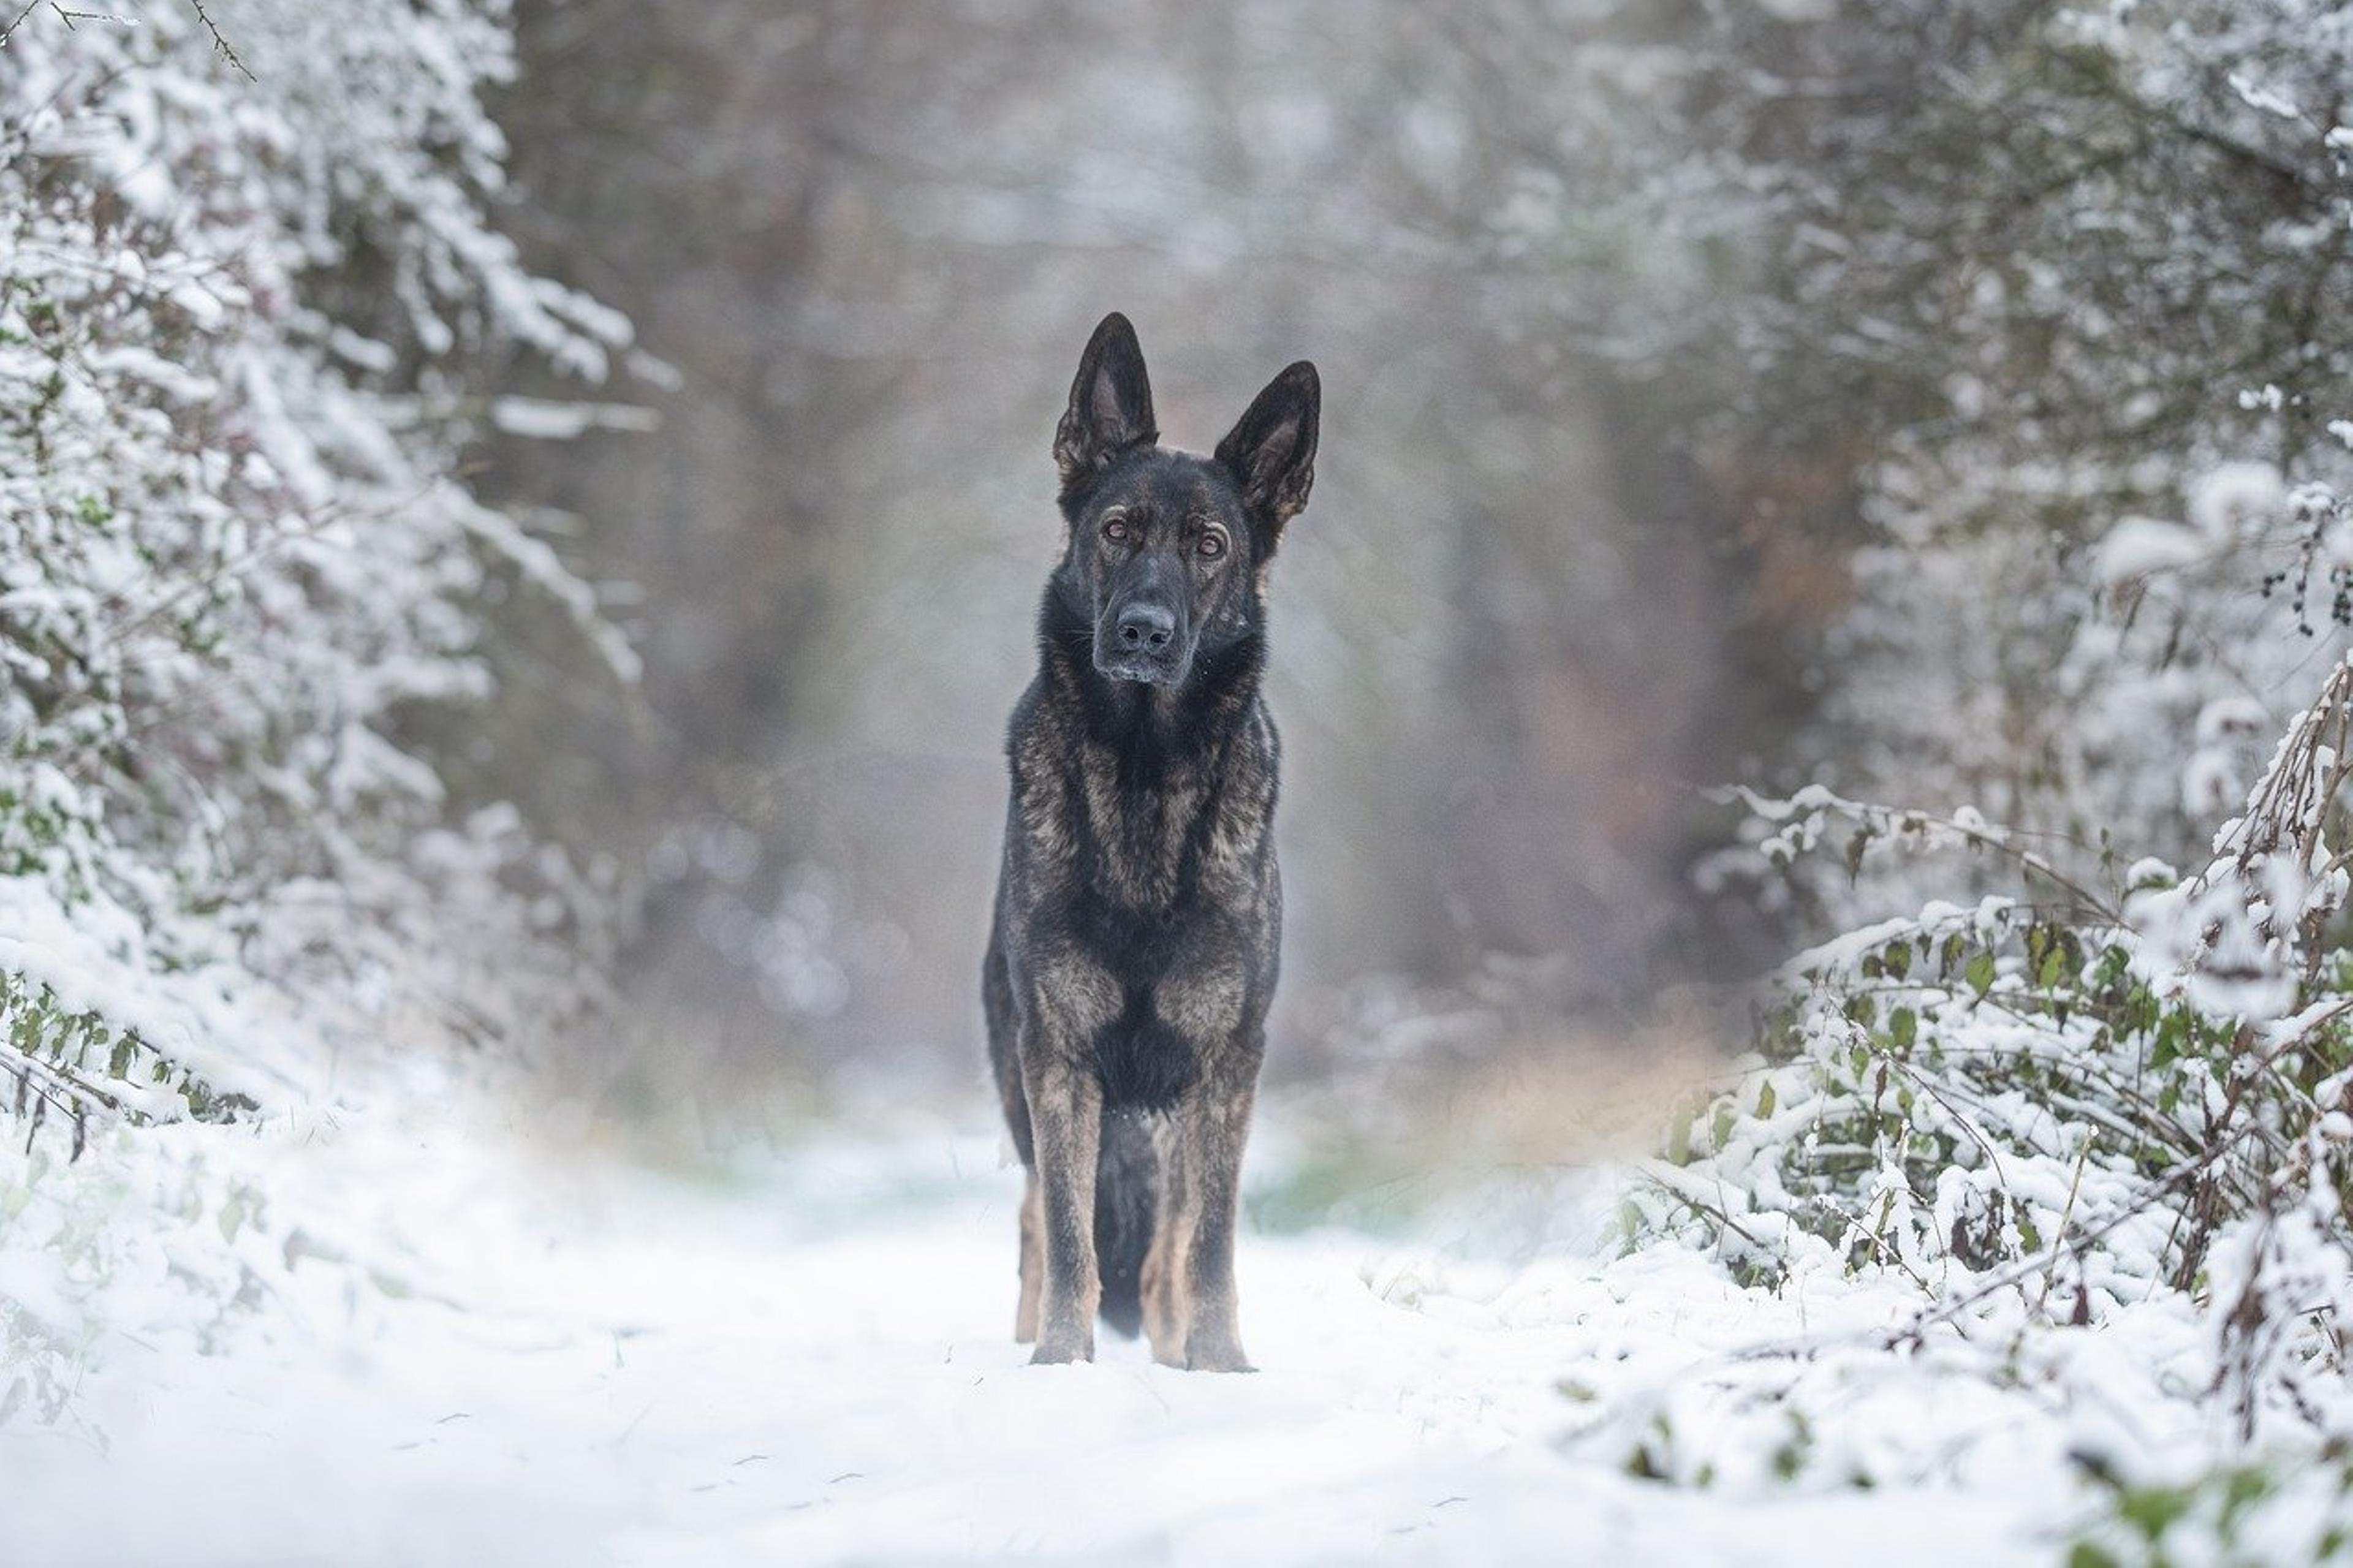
[(221, 45), (9, 31)]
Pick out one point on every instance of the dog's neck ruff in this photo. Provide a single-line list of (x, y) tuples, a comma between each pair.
[(1152, 727)]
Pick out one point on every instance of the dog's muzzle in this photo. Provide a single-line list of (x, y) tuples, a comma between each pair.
[(1140, 643)]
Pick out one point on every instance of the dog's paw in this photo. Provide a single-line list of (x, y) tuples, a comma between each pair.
[(1058, 1350), (1217, 1356)]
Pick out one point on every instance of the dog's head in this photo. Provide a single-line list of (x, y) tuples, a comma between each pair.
[(1168, 551)]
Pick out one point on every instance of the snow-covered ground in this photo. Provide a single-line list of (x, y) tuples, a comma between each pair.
[(477, 1343)]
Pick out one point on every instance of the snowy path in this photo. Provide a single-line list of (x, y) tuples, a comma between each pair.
[(612, 1367)]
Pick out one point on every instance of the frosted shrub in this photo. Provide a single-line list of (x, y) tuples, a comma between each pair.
[(239, 298), (2098, 573), (2069, 1103)]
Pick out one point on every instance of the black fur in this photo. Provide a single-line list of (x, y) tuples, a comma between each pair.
[(1138, 911), (1127, 1176)]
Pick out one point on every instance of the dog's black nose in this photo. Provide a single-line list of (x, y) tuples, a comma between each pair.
[(1145, 627)]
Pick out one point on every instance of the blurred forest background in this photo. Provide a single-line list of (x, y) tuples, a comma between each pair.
[(1922, 401), (871, 241), (1715, 397)]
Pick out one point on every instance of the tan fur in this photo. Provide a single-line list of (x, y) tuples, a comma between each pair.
[(1211, 1131), (1085, 995), (1204, 1003), (1167, 1301), (1151, 856), (1033, 1261), (1066, 1120), (1167, 1272)]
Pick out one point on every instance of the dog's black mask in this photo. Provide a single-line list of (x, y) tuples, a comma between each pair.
[(1166, 550)]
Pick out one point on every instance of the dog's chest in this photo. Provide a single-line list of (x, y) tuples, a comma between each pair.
[(1145, 837), (1148, 829)]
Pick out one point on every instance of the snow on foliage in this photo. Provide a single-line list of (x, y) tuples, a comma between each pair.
[(2074, 257), (2079, 1117), (240, 277)]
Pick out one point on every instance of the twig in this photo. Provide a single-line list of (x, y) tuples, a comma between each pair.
[(2025, 1268), (1892, 821), (70, 18), (9, 31), (2066, 1217), (221, 45)]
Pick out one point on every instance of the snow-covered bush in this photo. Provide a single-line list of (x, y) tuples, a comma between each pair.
[(242, 276), (2046, 1109), (2056, 1138), (2250, 1514)]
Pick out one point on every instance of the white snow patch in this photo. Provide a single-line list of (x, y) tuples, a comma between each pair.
[(478, 1350), (2232, 498), (2139, 546)]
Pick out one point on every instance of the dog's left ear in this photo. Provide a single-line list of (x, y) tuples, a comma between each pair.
[(1271, 452)]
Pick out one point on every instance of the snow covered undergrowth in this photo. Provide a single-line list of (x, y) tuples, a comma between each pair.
[(462, 1338)]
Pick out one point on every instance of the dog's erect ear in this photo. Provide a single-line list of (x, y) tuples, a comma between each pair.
[(1110, 404), (1271, 452)]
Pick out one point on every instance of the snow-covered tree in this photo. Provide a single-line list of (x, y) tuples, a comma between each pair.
[(2050, 287), (242, 275)]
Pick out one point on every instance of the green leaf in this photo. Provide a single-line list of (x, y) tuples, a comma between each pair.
[(1981, 971), (2151, 1510)]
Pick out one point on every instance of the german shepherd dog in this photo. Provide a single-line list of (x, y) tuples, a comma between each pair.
[(1137, 912)]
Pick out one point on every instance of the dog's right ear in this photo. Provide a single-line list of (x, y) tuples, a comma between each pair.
[(1110, 404)]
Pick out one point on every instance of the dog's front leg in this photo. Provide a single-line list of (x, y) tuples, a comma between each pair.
[(1214, 1121), (1066, 1120)]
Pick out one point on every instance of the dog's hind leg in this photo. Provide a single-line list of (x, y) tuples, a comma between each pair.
[(1166, 1300), (997, 1006), (1033, 1261)]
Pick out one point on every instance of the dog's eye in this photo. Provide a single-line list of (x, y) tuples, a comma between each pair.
[(1117, 531), (1212, 546)]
